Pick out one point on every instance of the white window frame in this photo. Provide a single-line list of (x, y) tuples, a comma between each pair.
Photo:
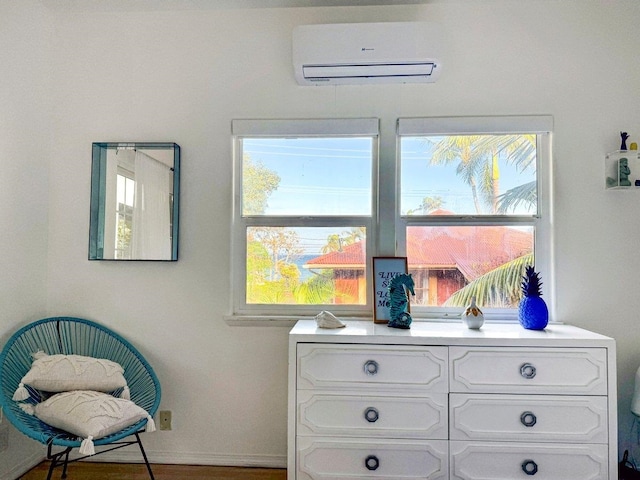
[(252, 128), (386, 228), (542, 126)]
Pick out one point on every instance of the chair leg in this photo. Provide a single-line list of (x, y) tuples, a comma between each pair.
[(55, 461), (144, 455), (66, 464)]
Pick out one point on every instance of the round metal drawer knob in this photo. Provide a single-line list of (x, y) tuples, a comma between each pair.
[(529, 467), (371, 367), (372, 462), (371, 414), (528, 419), (527, 370)]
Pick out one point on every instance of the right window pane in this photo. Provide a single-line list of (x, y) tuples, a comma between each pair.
[(469, 175), (471, 209), (450, 264)]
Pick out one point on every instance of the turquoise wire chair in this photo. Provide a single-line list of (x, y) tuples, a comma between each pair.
[(68, 335)]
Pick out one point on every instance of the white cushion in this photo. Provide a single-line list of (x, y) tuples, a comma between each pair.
[(60, 373), (90, 415)]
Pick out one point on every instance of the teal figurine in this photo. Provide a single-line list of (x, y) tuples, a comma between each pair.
[(533, 313), (624, 172), (399, 301)]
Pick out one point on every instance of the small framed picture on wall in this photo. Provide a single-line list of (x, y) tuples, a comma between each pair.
[(384, 269)]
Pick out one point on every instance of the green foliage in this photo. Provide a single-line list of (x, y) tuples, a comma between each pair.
[(522, 194), (258, 183), (477, 157), (317, 290), (123, 245), (428, 205), (336, 242), (498, 287)]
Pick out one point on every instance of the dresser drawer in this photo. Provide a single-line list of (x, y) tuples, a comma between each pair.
[(509, 461), (329, 459), (372, 416), (372, 367), (529, 418), (528, 370)]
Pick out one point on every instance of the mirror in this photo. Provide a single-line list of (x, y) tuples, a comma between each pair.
[(134, 201)]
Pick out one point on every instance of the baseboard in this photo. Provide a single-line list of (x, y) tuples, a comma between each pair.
[(24, 466), (181, 458)]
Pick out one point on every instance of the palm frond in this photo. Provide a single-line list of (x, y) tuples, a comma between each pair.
[(498, 287), (318, 290), (522, 194)]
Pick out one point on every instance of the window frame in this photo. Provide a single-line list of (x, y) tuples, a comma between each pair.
[(386, 227), (275, 128), (541, 221)]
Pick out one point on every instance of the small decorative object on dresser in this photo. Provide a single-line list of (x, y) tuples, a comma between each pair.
[(384, 270), (473, 316), (328, 320), (532, 311), (399, 301)]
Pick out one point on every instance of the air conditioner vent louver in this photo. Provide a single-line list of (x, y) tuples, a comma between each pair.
[(361, 53), (369, 70)]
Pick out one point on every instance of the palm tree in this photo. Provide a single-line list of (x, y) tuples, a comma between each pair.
[(334, 244), (478, 163), (478, 166), (460, 148), (355, 234), (428, 205)]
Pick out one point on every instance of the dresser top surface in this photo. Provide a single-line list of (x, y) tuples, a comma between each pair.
[(445, 333)]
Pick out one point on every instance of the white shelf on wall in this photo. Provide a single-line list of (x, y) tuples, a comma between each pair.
[(612, 179)]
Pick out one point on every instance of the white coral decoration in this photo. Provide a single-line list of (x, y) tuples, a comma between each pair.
[(328, 320)]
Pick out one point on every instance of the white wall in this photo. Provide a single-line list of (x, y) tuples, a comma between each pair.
[(25, 123), (183, 75)]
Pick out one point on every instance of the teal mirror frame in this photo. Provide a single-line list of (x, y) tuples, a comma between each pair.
[(101, 153)]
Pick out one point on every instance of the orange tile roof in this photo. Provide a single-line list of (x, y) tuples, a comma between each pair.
[(445, 247)]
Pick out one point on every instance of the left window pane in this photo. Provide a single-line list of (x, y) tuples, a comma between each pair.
[(311, 176), (306, 265)]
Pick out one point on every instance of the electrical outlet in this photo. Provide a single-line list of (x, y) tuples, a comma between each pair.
[(165, 419)]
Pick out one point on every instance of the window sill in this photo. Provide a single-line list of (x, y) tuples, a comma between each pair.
[(261, 320), (285, 321), (276, 320)]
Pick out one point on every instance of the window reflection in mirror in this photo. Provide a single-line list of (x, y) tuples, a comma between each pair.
[(134, 201)]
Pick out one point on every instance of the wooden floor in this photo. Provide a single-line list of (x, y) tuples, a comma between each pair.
[(126, 471)]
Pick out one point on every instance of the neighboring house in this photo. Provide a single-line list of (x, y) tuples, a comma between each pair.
[(441, 259)]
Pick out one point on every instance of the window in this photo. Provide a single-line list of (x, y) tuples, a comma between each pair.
[(125, 192), (465, 199), (304, 214), (473, 209)]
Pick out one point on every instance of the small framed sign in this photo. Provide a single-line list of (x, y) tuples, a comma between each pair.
[(384, 269)]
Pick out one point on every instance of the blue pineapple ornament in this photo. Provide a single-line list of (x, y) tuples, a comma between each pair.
[(533, 313)]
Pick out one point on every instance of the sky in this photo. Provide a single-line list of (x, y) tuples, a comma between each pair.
[(333, 176)]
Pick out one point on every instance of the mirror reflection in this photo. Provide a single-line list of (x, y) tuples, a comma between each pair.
[(134, 201)]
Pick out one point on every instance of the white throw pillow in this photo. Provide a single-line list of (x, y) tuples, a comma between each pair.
[(90, 415), (61, 373)]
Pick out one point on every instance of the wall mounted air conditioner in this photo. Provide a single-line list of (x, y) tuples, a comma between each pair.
[(358, 53)]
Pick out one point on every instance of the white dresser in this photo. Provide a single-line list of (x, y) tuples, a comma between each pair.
[(440, 401)]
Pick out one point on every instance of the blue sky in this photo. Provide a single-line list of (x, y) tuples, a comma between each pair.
[(317, 176), (332, 176)]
